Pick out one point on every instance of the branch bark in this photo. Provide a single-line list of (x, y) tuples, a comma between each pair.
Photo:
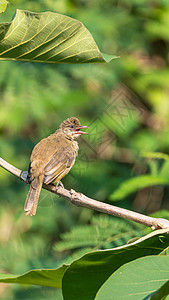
[(81, 200)]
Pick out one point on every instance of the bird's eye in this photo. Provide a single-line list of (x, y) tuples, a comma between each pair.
[(71, 126)]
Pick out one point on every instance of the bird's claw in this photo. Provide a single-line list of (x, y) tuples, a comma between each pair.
[(60, 185)]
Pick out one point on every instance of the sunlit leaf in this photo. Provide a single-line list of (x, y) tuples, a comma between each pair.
[(3, 5), (158, 155), (134, 184), (48, 37), (164, 170), (43, 277)]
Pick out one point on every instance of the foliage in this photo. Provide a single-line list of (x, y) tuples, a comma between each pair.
[(103, 232), (140, 182), (84, 277), (47, 37), (3, 5), (161, 293), (158, 176), (133, 274), (125, 103), (46, 277)]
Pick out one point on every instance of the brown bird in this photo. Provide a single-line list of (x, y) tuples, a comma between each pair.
[(51, 159)]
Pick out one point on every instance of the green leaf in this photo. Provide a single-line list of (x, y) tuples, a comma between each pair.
[(108, 57), (164, 171), (136, 183), (158, 155), (137, 279), (43, 277), (47, 37), (3, 5), (84, 277), (161, 293)]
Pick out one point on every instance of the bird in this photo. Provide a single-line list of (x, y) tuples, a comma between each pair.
[(51, 159)]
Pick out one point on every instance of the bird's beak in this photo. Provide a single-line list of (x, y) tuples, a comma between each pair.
[(77, 130)]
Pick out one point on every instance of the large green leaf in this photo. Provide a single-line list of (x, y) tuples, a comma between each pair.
[(137, 279), (48, 37), (43, 277), (136, 183), (86, 275)]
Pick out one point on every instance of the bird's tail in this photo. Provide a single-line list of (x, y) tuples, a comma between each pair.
[(33, 195)]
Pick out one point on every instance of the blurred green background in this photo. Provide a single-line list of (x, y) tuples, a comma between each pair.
[(126, 105)]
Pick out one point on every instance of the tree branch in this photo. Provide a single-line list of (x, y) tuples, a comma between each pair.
[(81, 200)]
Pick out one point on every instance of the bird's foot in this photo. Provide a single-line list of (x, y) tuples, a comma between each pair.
[(29, 177), (60, 185)]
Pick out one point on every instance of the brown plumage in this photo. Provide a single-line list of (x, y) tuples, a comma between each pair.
[(51, 159)]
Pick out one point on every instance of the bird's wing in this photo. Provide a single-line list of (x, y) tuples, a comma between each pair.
[(58, 164)]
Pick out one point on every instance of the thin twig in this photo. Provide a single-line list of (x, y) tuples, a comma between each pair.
[(8, 167), (81, 200)]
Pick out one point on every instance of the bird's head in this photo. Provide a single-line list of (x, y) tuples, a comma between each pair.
[(71, 127)]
